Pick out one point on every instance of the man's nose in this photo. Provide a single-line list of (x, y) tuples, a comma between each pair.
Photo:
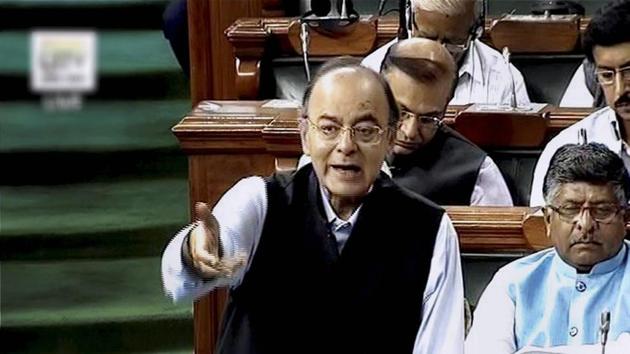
[(409, 127), (346, 143), (585, 223)]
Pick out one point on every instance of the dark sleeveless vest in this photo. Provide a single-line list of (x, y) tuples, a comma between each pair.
[(301, 296), (445, 170)]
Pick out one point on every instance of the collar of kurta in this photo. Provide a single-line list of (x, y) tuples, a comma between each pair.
[(610, 265), (472, 64)]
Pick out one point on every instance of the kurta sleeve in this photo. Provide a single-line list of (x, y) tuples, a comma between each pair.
[(241, 213), (442, 327)]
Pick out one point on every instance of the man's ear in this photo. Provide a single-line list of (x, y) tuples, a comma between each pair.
[(303, 126), (547, 218)]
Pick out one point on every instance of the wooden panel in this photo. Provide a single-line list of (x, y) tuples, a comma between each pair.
[(536, 34), (356, 39), (501, 129), (212, 67)]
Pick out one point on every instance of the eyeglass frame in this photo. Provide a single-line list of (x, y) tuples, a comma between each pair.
[(569, 219), (624, 71), (461, 48), (342, 129), (436, 120)]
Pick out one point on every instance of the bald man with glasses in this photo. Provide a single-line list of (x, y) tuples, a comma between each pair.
[(428, 157)]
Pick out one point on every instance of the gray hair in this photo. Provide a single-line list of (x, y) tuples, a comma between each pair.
[(346, 62), (446, 7), (591, 163)]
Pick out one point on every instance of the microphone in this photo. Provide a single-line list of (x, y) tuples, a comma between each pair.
[(346, 9), (604, 327), (305, 41), (320, 8), (582, 138), (506, 58), (403, 21)]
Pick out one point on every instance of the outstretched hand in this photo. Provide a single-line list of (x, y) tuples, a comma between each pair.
[(205, 247)]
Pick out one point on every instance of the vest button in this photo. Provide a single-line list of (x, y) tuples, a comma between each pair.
[(580, 286), (573, 332)]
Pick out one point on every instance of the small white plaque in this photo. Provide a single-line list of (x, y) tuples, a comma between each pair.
[(63, 61), (483, 107), (281, 104)]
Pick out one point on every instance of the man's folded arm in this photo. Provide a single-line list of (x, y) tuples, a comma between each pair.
[(240, 212)]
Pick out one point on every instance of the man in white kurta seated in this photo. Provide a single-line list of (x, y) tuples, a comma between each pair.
[(606, 42), (335, 257), (556, 297), (483, 75)]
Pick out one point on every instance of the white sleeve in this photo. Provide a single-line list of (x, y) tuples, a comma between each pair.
[(522, 98), (241, 213), (492, 331), (375, 59), (442, 327), (577, 94), (490, 188), (542, 165)]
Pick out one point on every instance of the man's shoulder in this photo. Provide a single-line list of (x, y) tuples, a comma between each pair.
[(402, 197), (375, 59), (590, 123), (489, 57), (517, 271)]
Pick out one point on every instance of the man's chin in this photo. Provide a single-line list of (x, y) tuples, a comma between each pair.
[(403, 150)]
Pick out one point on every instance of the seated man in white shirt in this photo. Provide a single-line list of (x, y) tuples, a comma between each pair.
[(606, 42), (428, 157), (556, 297), (584, 90), (483, 75), (335, 257)]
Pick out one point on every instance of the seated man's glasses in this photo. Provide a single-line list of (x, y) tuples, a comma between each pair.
[(425, 122), (604, 213), (364, 133), (607, 76), (454, 48)]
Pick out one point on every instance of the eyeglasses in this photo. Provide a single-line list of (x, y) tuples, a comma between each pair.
[(362, 133), (425, 122), (458, 48), (601, 213), (607, 76), (451, 47)]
